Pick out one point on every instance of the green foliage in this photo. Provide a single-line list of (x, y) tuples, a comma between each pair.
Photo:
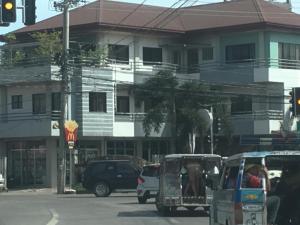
[(163, 92), (10, 38), (157, 94), (95, 56), (49, 43)]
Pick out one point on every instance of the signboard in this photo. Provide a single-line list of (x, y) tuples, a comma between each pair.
[(71, 128)]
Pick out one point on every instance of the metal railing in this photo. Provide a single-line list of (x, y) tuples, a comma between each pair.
[(144, 66), (259, 115)]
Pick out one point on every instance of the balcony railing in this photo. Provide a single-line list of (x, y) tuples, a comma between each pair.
[(260, 115), (128, 65), (129, 117)]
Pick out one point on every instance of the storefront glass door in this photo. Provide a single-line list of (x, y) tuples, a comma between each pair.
[(27, 167)]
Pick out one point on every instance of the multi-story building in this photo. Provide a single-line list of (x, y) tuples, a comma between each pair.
[(249, 46)]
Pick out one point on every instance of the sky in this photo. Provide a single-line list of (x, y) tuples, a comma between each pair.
[(45, 9)]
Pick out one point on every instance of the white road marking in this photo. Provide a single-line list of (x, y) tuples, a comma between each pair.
[(54, 218)]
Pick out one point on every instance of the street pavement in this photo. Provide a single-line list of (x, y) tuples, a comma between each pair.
[(47, 208)]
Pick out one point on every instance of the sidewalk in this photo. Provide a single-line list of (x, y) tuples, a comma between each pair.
[(43, 191)]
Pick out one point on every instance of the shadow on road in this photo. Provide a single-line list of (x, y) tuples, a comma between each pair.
[(154, 213)]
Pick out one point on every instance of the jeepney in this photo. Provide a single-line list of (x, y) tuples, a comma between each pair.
[(187, 180), (237, 202)]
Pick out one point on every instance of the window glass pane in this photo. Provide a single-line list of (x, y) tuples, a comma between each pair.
[(177, 57), (16, 102), (39, 103), (240, 53), (152, 56), (120, 53), (123, 104), (242, 104), (97, 102), (192, 60), (55, 101), (207, 53)]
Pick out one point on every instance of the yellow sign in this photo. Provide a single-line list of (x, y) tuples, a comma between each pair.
[(251, 196)]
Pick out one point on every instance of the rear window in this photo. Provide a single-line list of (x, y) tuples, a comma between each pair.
[(151, 171)]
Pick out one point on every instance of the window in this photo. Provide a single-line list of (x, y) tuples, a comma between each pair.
[(120, 53), (152, 56), (192, 60), (16, 102), (123, 104), (176, 57), (241, 104), (240, 53), (207, 54), (287, 53), (39, 103), (97, 102), (55, 106), (230, 179)]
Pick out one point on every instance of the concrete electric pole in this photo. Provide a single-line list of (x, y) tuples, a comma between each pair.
[(65, 105)]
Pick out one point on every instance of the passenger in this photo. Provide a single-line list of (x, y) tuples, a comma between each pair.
[(254, 179), (289, 190), (194, 170), (230, 182)]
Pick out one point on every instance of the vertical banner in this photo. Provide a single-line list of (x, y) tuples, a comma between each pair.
[(71, 128)]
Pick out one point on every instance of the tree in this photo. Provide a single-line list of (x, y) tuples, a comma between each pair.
[(49, 44), (158, 95), (168, 101), (190, 99)]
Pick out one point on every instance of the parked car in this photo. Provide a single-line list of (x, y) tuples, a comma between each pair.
[(104, 176), (148, 183)]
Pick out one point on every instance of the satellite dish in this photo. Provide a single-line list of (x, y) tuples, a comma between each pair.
[(207, 118)]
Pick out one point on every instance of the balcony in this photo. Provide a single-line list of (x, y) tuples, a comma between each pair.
[(257, 122), (131, 125)]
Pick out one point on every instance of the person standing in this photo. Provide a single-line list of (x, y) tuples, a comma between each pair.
[(253, 178)]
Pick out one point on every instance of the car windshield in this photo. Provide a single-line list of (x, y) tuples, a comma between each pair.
[(151, 171)]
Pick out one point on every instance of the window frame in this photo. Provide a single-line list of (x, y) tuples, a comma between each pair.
[(16, 101), (54, 104), (114, 49), (232, 51), (38, 105), (121, 98), (97, 97), (207, 53), (149, 59)]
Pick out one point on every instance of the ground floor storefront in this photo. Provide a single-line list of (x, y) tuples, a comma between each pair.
[(33, 163)]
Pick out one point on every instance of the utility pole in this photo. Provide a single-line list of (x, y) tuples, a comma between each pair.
[(65, 111), (211, 132)]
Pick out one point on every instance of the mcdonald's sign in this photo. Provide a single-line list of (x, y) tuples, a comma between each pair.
[(71, 128)]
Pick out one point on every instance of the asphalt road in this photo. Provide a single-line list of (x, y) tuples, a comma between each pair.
[(44, 208)]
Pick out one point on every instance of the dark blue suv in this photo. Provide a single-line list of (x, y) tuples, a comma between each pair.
[(104, 176)]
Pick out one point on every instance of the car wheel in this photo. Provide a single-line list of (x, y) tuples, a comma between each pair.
[(142, 200), (101, 189)]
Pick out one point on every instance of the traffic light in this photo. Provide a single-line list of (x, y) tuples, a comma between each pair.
[(295, 101), (8, 11), (292, 101), (29, 12)]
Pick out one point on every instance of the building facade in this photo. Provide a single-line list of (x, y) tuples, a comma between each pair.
[(256, 59)]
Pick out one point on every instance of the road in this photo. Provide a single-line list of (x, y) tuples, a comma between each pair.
[(40, 208)]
